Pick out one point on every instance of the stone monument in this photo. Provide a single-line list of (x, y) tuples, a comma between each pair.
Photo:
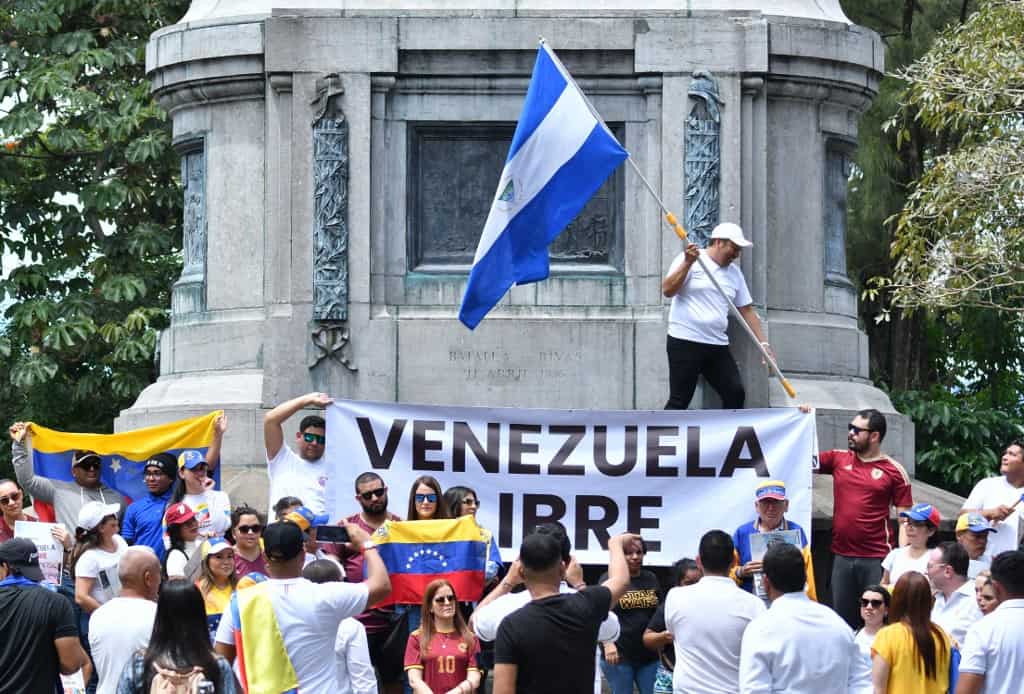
[(339, 158)]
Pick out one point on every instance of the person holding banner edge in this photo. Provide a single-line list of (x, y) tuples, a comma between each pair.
[(302, 472), (697, 342)]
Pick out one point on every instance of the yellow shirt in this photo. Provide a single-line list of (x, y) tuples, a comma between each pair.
[(217, 600), (895, 644)]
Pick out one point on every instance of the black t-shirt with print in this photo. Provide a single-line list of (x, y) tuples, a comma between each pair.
[(634, 611)]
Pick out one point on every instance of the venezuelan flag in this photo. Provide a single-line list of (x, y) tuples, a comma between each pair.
[(123, 455), (418, 552)]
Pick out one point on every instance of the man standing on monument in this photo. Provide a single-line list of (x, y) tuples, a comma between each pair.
[(866, 484), (302, 472), (997, 500), (697, 341)]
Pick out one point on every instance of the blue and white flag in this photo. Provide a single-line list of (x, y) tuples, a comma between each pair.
[(561, 153)]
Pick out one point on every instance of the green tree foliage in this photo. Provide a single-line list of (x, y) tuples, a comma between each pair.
[(90, 205), (960, 237)]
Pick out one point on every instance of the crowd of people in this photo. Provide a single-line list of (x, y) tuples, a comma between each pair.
[(184, 591)]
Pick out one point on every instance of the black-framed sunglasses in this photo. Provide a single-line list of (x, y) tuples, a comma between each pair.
[(426, 498), (314, 438), (857, 430), (874, 602), (374, 494), (470, 501), (91, 465), (246, 529), (444, 599)]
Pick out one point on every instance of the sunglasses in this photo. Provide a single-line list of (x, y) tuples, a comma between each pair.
[(92, 465), (12, 499), (374, 494), (857, 430), (246, 529), (426, 498), (314, 438), (444, 599), (471, 502), (864, 602)]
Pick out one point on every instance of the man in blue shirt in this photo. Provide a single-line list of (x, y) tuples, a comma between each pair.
[(143, 520), (771, 505)]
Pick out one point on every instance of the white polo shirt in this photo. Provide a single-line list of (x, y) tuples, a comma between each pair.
[(707, 621), (799, 646), (959, 613), (994, 647), (992, 492), (699, 313)]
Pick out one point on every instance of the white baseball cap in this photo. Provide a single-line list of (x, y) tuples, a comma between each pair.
[(93, 513), (730, 232)]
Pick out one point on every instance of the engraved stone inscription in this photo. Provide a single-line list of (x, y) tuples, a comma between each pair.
[(453, 173)]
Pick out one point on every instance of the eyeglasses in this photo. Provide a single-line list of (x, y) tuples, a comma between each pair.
[(426, 498), (864, 602), (444, 599), (374, 493), (153, 473), (92, 465), (470, 501), (12, 499), (314, 438), (246, 529), (858, 430)]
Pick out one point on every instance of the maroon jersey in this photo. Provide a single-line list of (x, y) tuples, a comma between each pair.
[(447, 662)]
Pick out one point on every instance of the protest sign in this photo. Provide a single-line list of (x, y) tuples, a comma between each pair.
[(668, 475), (51, 552)]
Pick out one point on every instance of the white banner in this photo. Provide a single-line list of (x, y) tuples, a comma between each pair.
[(668, 475)]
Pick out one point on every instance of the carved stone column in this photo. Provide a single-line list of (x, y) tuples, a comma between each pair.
[(703, 164), (189, 292)]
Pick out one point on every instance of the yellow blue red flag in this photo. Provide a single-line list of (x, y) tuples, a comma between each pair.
[(418, 552), (123, 455)]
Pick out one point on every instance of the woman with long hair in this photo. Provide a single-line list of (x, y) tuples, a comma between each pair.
[(463, 501), (440, 656), (183, 537), (178, 646), (11, 510), (426, 500), (212, 507), (657, 637), (217, 581), (912, 654), (96, 555), (246, 530), (874, 610)]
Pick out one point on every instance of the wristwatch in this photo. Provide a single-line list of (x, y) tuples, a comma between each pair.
[(369, 544)]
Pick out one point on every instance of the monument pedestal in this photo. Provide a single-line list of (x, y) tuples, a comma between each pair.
[(340, 159)]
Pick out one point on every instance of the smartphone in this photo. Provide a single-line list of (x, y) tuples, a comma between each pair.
[(331, 533)]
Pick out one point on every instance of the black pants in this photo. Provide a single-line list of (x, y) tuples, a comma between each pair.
[(689, 360)]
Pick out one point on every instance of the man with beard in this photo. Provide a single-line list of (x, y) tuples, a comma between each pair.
[(302, 472), (866, 485), (387, 650), (67, 498)]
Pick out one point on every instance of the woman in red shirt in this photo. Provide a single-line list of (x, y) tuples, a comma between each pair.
[(440, 657)]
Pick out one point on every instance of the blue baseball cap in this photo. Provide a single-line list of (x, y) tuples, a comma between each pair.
[(190, 460), (922, 513), (305, 519)]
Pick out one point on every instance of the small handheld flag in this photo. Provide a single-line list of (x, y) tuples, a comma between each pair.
[(560, 155)]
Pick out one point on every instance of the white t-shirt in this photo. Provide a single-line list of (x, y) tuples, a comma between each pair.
[(116, 630), (291, 475), (308, 615), (864, 640), (101, 565), (213, 511), (994, 647), (899, 562), (355, 671), (177, 560), (707, 621), (978, 565), (992, 492), (699, 313)]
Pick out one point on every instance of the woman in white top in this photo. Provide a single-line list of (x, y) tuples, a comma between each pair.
[(922, 522), (874, 610), (212, 507), (99, 549), (183, 537)]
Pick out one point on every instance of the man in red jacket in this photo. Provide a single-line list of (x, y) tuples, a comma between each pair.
[(867, 484)]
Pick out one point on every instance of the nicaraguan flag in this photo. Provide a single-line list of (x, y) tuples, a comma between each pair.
[(418, 552), (123, 455), (561, 153)]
